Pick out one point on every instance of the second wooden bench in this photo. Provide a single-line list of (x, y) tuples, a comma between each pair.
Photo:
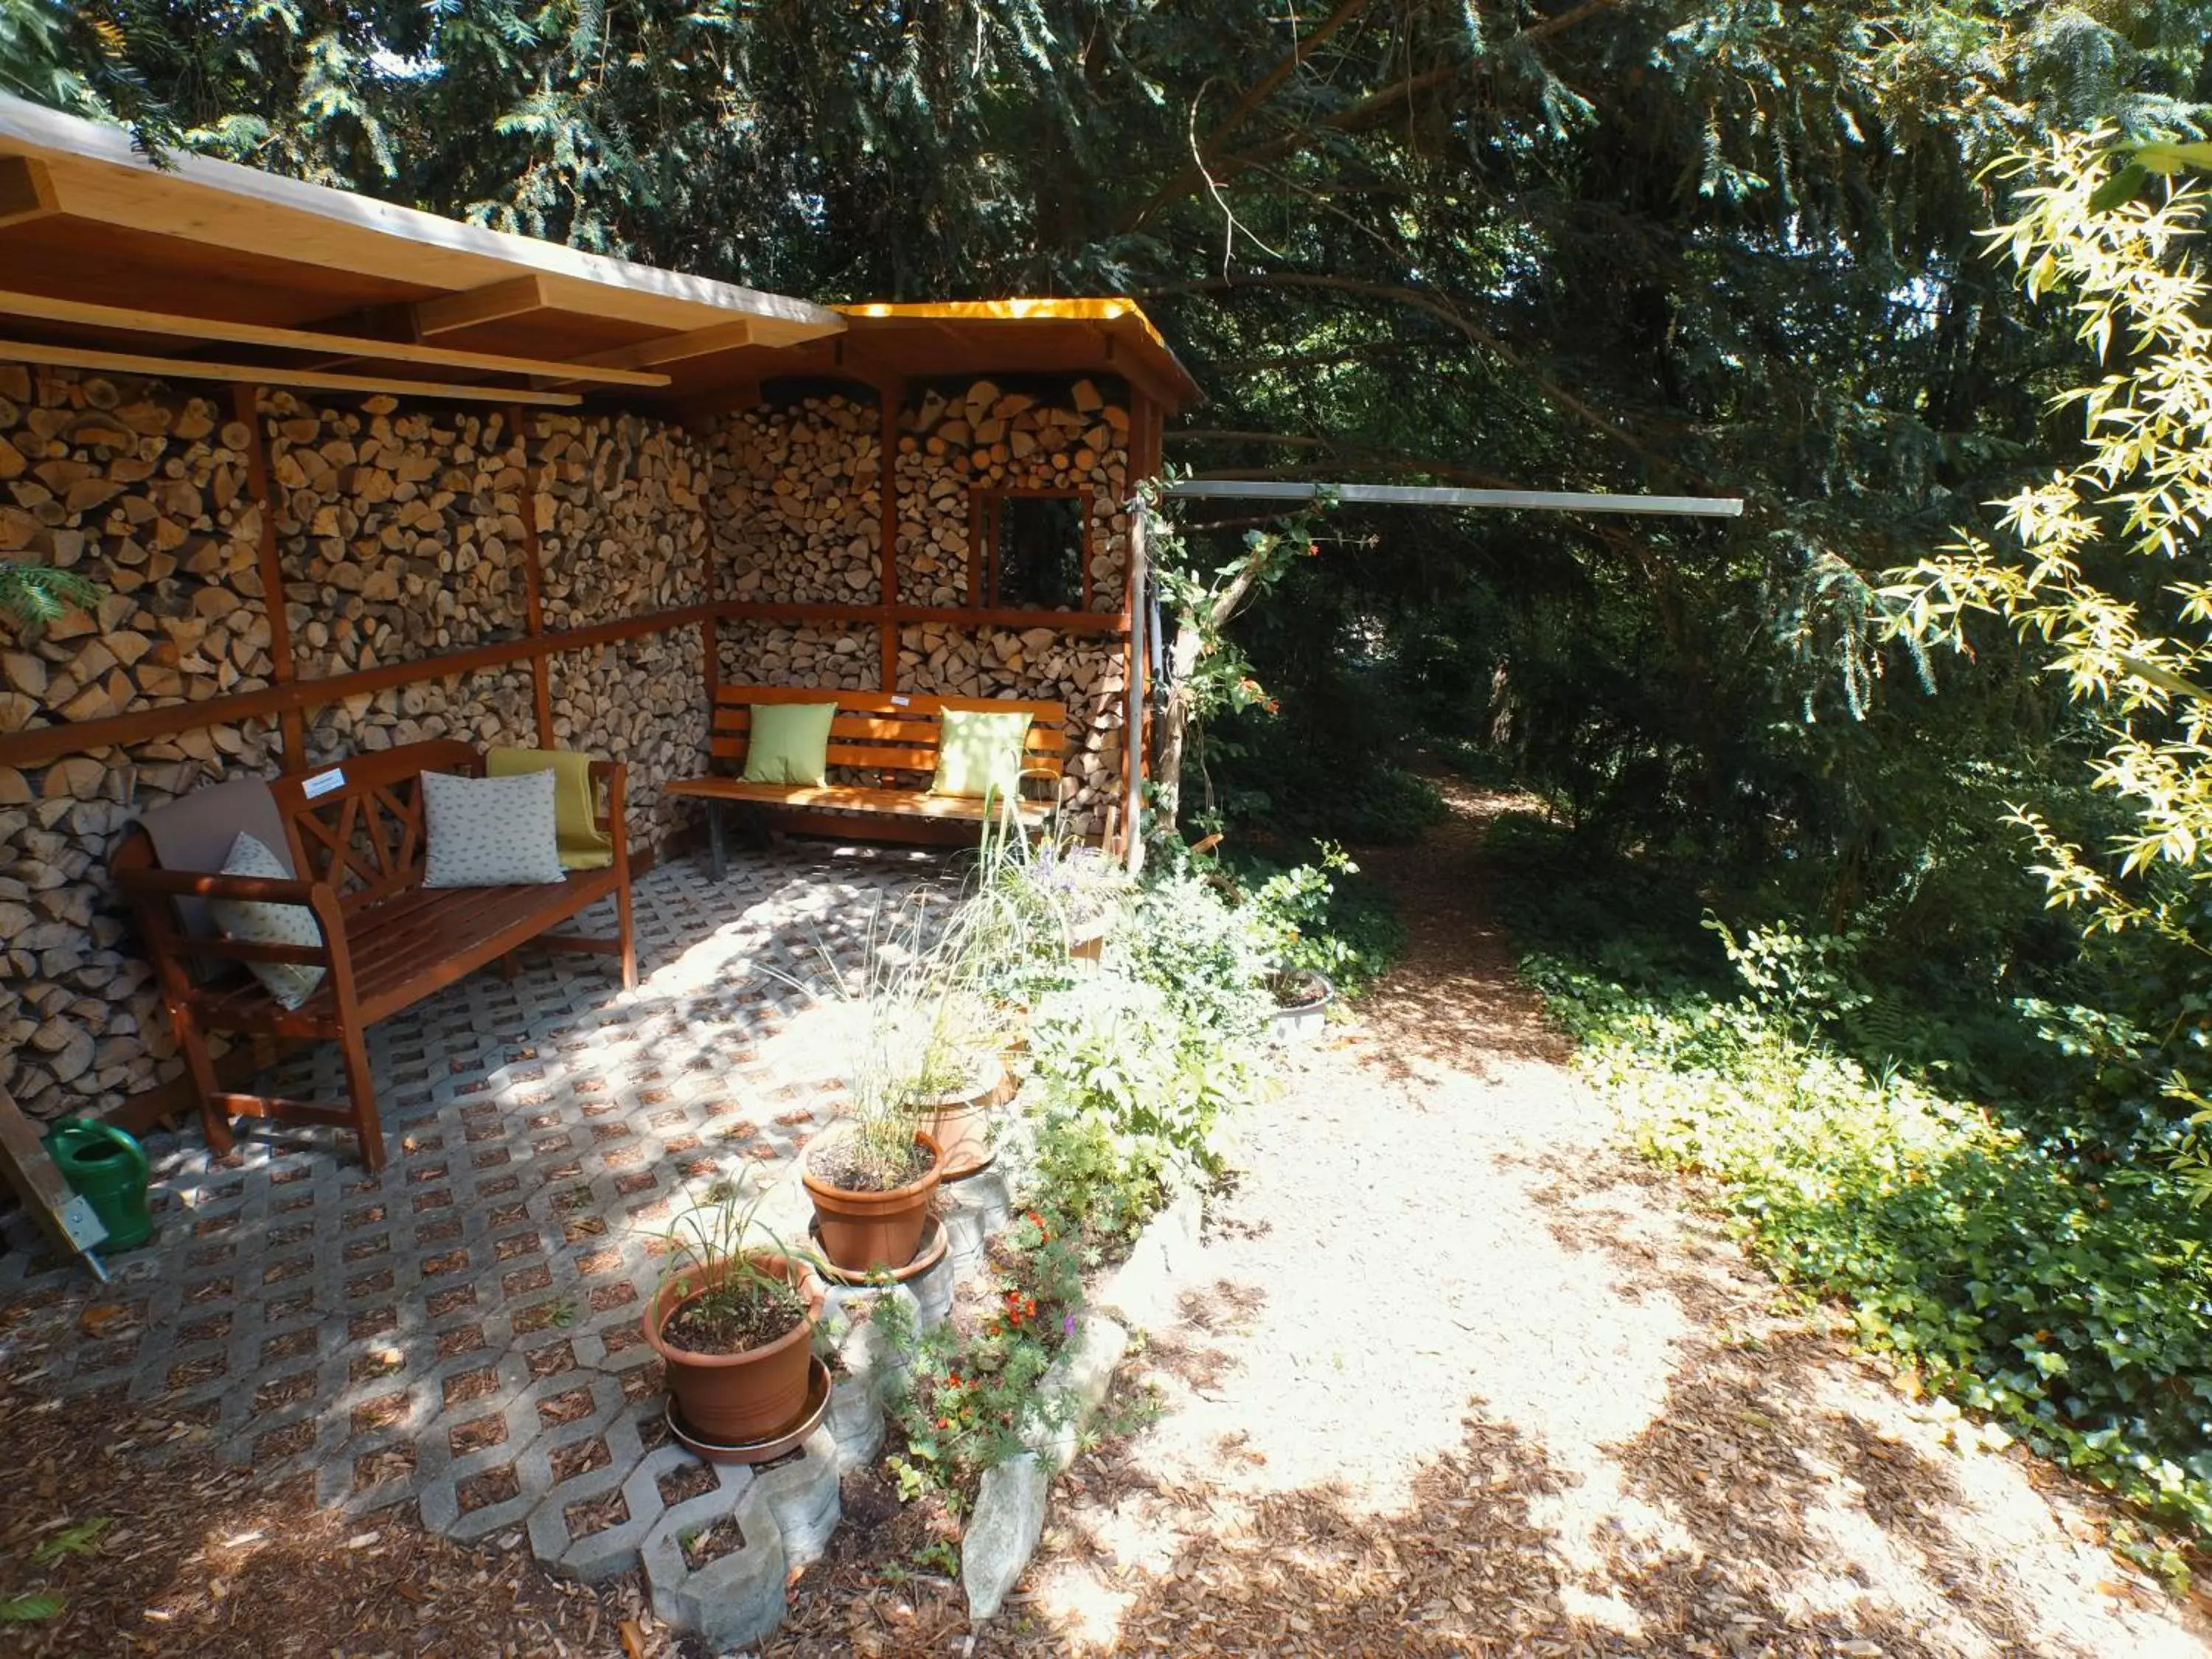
[(892, 739)]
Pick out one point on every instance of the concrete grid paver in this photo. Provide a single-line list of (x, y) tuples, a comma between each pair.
[(461, 1333)]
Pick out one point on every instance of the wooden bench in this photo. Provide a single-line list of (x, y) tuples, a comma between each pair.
[(354, 835), (890, 735)]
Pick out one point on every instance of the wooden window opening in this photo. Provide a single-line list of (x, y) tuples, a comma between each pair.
[(1029, 550)]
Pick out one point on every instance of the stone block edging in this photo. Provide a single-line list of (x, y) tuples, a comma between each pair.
[(1003, 1532)]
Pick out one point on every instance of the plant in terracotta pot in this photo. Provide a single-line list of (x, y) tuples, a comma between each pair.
[(954, 1074), (871, 1174), (1081, 887), (871, 1178), (732, 1319)]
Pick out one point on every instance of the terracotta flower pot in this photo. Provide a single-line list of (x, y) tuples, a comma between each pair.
[(959, 1121), (732, 1398), (861, 1231)]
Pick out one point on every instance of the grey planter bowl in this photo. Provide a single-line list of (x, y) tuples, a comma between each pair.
[(1295, 1027)]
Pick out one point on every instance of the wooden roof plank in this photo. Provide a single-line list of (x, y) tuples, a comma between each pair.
[(515, 296), (98, 175), (193, 368), (673, 348), (48, 308), (27, 190)]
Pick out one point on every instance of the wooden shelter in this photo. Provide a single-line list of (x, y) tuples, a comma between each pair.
[(351, 475)]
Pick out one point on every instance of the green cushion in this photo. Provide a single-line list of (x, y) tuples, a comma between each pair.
[(980, 754), (790, 743)]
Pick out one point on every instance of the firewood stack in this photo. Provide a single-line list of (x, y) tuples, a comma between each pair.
[(618, 517), (145, 490), (793, 503), (992, 438), (400, 533)]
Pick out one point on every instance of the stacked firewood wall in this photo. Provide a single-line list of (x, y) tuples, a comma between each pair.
[(403, 532), (622, 533), (401, 535)]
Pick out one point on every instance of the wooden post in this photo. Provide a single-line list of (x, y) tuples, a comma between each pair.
[(1143, 461), (291, 726), (38, 1184), (890, 394), (533, 582)]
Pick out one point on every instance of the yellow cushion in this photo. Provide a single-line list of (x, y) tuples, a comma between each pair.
[(584, 845), (980, 754)]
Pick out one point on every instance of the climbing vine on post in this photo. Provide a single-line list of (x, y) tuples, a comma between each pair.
[(1207, 671)]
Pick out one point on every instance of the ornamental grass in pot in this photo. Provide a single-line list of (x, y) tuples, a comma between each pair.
[(732, 1319), (872, 1174), (872, 1182)]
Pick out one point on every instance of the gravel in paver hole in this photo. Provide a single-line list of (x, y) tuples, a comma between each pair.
[(595, 1514), (464, 1386), (565, 1408), (683, 1484), (569, 1462), (493, 1486), (713, 1542), (475, 1435)]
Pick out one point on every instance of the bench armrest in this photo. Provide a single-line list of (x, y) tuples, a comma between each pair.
[(615, 776), (210, 884), (154, 886), (1051, 775)]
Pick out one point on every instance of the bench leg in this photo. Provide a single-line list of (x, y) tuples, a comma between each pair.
[(629, 937), (717, 852), (361, 1092), (214, 1123)]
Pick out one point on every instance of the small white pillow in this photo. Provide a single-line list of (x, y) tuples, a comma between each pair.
[(490, 832), (260, 921)]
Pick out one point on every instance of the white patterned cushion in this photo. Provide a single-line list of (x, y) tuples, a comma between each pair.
[(259, 921), (489, 832)]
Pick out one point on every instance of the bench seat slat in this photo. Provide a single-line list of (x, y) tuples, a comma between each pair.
[(882, 758), (416, 942), (898, 803)]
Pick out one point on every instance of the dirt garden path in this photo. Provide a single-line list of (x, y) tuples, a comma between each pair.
[(1462, 1379)]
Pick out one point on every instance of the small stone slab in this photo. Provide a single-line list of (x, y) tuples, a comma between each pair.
[(1003, 1532), (801, 1489), (1083, 1373)]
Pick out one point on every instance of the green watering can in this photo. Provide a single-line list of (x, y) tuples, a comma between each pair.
[(107, 1168)]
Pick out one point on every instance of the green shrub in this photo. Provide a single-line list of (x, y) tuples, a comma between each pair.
[(1124, 1096), (1321, 916), (2071, 1305), (969, 1395), (1204, 955)]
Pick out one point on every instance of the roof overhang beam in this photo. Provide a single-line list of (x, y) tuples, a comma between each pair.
[(1515, 501), (195, 368), (330, 349)]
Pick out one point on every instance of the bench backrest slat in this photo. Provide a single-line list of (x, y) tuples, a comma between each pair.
[(883, 731), (365, 835)]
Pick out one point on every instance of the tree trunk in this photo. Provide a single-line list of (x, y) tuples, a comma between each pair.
[(1175, 722)]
